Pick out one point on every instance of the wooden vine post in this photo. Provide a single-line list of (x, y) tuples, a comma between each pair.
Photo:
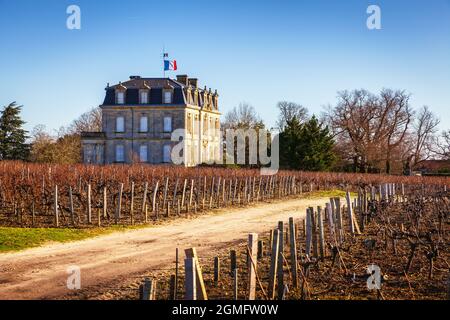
[(56, 212), (119, 204), (72, 211), (273, 264), (105, 203), (252, 264), (166, 187), (350, 214), (89, 205), (148, 289), (280, 262), (155, 193), (216, 270), (201, 290), (233, 264), (308, 231), (293, 248), (144, 198), (132, 204), (190, 281), (321, 234)]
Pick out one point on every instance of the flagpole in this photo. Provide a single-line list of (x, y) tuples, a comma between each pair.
[(164, 67)]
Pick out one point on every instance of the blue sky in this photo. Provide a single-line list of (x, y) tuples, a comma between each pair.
[(255, 51)]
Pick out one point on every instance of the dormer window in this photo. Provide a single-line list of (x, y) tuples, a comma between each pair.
[(120, 97), (189, 96), (196, 97), (167, 97), (167, 93), (144, 97)]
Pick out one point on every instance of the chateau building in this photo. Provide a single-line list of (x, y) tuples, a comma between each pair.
[(139, 116)]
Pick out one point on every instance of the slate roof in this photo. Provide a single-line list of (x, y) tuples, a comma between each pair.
[(152, 82), (156, 84)]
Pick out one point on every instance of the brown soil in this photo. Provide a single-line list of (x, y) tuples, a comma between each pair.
[(118, 261), (345, 280)]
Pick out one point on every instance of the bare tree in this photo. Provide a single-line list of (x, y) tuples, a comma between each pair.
[(371, 127), (243, 117), (353, 122), (65, 146), (289, 110), (42, 145), (441, 146), (396, 117), (425, 129), (90, 121)]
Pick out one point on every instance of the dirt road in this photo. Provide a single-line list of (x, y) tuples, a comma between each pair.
[(106, 261)]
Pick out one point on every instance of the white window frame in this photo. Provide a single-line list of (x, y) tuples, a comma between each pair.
[(141, 98), (120, 97), (120, 124), (143, 155), (120, 153), (167, 153), (143, 124), (167, 97), (167, 125)]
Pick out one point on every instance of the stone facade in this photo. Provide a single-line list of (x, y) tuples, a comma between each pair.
[(139, 116)]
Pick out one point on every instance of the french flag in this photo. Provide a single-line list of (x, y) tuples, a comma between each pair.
[(170, 65)]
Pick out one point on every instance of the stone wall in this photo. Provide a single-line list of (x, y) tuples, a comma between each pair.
[(155, 138)]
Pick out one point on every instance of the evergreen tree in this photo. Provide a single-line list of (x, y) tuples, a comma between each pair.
[(307, 146), (12, 136), (289, 142)]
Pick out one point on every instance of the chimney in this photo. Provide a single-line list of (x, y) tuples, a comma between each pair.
[(183, 79), (193, 82)]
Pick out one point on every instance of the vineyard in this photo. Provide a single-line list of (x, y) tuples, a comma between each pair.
[(401, 238), (393, 229), (33, 195)]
